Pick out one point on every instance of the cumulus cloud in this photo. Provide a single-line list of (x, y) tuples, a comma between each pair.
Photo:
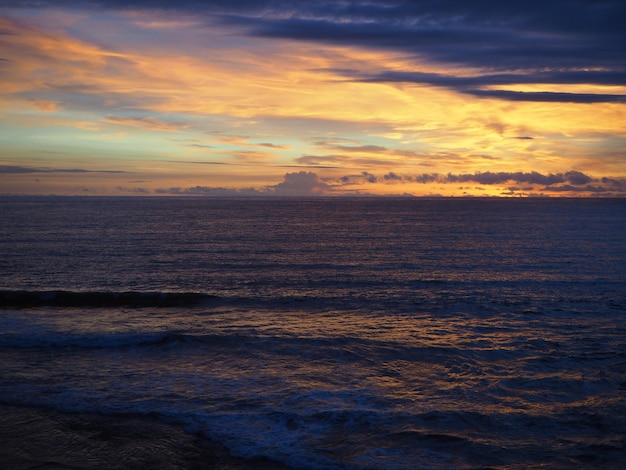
[(301, 184), (293, 184)]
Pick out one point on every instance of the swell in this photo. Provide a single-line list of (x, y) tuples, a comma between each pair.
[(88, 341), (61, 298), (364, 352)]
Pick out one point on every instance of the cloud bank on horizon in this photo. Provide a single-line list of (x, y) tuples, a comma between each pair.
[(286, 98)]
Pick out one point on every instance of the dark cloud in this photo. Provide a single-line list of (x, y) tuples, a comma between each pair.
[(200, 146), (548, 42), (363, 177), (369, 177), (533, 177), (210, 191), (13, 169), (391, 176), (571, 188), (614, 184), (515, 42), (492, 34), (548, 96), (426, 178), (489, 33), (272, 146), (471, 84), (139, 190), (550, 181), (578, 178)]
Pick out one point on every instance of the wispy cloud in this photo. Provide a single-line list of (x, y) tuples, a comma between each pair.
[(14, 169), (147, 122), (200, 146), (340, 161)]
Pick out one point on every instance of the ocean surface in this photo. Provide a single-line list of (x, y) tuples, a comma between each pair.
[(329, 333)]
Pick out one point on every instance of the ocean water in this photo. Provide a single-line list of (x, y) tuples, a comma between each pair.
[(329, 333)]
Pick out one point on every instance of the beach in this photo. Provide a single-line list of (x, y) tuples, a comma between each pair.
[(33, 437)]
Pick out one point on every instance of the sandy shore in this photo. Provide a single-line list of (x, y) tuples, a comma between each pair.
[(45, 439)]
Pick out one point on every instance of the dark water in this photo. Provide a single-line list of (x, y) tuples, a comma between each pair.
[(344, 333)]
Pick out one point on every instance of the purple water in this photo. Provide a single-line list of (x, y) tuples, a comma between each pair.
[(329, 333)]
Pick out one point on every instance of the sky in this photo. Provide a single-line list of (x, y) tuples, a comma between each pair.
[(324, 98)]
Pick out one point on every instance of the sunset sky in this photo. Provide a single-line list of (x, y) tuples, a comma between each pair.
[(238, 98)]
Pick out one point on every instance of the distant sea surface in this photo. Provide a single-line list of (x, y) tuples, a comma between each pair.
[(329, 333)]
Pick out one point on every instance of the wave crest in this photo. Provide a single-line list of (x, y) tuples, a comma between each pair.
[(61, 298)]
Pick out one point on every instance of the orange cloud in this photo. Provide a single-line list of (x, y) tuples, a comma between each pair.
[(147, 123)]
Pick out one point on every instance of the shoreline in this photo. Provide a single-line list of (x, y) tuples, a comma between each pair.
[(38, 437)]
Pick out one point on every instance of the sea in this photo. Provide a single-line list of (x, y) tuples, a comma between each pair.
[(328, 333)]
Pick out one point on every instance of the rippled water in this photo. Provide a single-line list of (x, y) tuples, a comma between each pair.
[(356, 333)]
